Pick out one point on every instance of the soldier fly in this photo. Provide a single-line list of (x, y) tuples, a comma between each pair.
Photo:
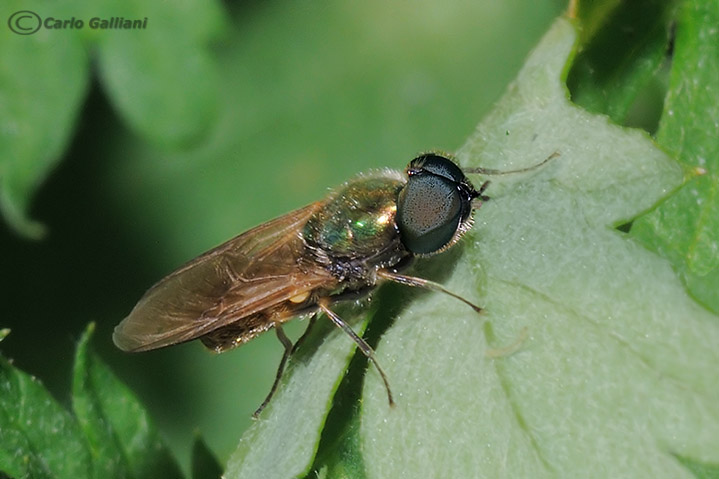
[(363, 233)]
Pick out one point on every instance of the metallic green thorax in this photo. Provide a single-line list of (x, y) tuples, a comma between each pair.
[(359, 218)]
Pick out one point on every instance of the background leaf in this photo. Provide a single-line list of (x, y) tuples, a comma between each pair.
[(109, 436), (685, 229), (37, 436), (628, 84), (204, 463), (700, 471), (162, 80), (119, 433), (43, 82)]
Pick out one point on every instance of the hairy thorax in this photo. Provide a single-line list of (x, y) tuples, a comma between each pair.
[(355, 232)]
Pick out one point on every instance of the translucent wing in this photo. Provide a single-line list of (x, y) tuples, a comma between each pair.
[(252, 273)]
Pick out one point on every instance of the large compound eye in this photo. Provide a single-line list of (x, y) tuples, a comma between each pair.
[(429, 211), (437, 165)]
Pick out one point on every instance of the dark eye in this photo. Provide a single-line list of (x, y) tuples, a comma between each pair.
[(434, 207), (429, 210), (437, 165)]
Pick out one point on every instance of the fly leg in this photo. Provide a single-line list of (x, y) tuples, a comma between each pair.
[(283, 362), (427, 284), (304, 336), (289, 350), (423, 283), (361, 343)]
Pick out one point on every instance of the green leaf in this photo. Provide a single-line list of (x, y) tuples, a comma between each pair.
[(37, 436), (342, 458), (685, 228), (700, 471), (43, 82), (594, 15), (109, 436), (589, 359), (120, 436), (630, 79), (300, 405), (163, 78), (614, 366), (339, 453), (204, 462)]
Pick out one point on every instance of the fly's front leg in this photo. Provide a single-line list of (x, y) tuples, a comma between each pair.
[(423, 283)]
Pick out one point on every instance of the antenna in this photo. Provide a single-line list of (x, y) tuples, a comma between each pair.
[(489, 171)]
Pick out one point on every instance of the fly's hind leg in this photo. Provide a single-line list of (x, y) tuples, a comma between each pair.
[(289, 350), (281, 369), (361, 343), (306, 334)]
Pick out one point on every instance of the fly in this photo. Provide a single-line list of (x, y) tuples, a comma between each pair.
[(301, 264)]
